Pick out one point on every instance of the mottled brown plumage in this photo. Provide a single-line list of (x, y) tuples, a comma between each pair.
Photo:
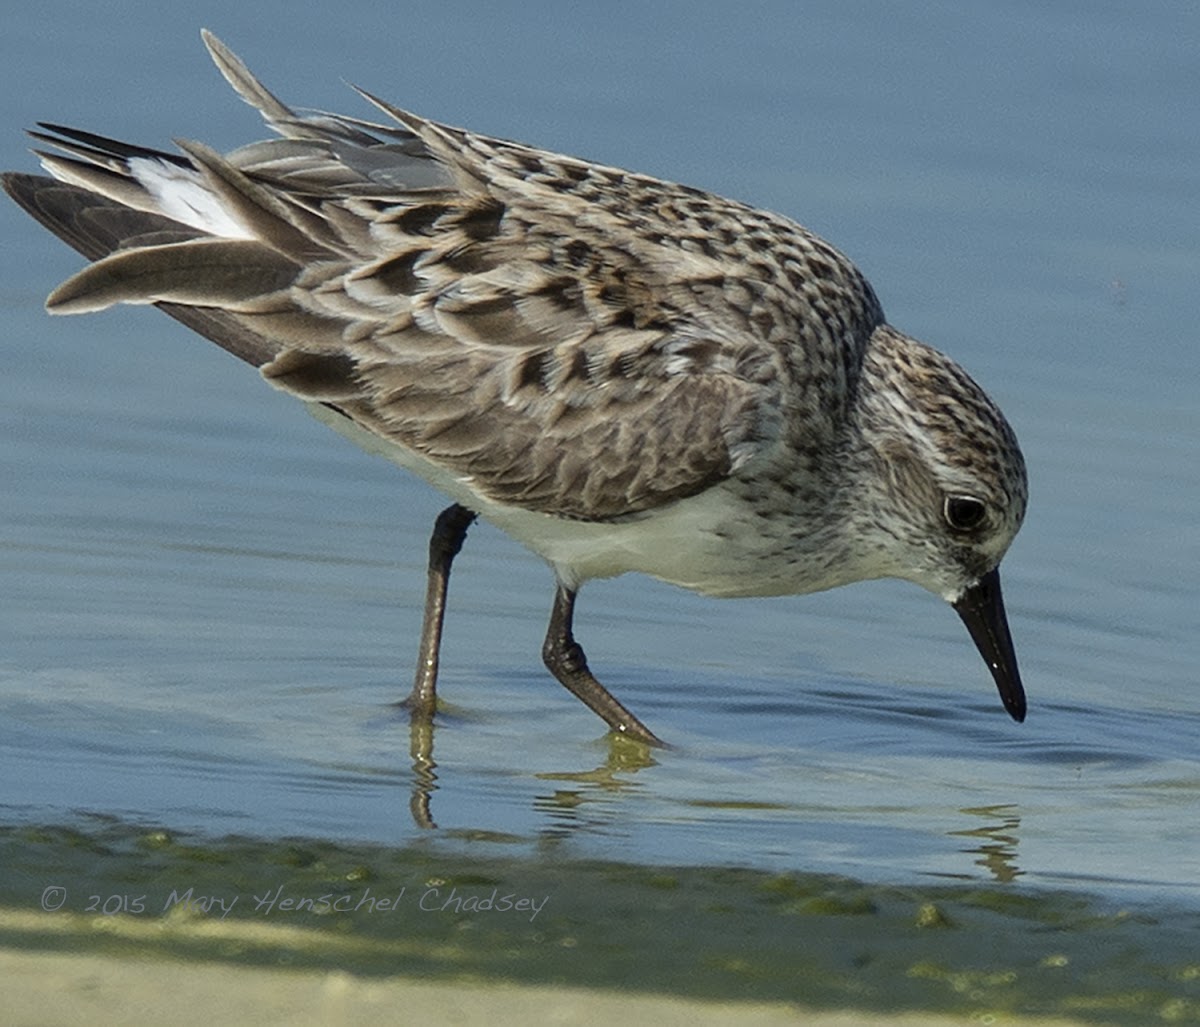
[(624, 373)]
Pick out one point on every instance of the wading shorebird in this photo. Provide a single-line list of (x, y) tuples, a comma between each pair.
[(622, 373)]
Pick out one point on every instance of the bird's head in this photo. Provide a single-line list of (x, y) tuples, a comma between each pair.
[(946, 490)]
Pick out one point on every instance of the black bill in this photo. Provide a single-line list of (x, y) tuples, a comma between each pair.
[(981, 608)]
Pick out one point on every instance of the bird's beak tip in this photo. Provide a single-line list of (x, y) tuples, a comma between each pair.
[(981, 608)]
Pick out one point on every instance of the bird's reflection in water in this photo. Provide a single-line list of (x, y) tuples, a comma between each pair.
[(589, 802), (997, 847), (586, 806), (420, 750)]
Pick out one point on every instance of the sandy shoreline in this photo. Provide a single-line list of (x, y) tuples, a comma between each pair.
[(93, 928), (55, 987)]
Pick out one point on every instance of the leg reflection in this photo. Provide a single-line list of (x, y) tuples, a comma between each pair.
[(997, 850), (420, 749)]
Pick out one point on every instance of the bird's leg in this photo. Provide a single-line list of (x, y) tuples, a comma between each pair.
[(449, 532), (566, 661)]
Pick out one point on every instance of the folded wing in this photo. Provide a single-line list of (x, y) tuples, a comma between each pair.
[(476, 301)]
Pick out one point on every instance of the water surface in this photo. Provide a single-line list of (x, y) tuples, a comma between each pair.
[(209, 601)]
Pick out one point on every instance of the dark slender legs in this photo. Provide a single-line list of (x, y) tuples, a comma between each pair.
[(566, 661), (563, 655), (449, 532)]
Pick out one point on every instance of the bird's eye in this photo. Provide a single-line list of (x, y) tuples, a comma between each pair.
[(964, 513)]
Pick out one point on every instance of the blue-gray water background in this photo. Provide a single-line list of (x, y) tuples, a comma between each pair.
[(207, 599)]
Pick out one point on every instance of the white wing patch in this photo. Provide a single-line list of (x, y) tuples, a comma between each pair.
[(182, 195)]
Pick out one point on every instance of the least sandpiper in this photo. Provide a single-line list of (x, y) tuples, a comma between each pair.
[(622, 373)]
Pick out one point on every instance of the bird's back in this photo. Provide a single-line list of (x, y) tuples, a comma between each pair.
[(571, 338)]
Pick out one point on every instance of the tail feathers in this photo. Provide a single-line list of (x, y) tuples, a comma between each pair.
[(98, 149), (91, 222), (217, 240), (144, 257), (106, 166), (97, 226), (145, 179)]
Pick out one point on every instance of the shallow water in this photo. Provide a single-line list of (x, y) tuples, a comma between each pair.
[(209, 600)]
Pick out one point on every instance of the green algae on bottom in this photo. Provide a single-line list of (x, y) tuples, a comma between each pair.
[(719, 933)]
